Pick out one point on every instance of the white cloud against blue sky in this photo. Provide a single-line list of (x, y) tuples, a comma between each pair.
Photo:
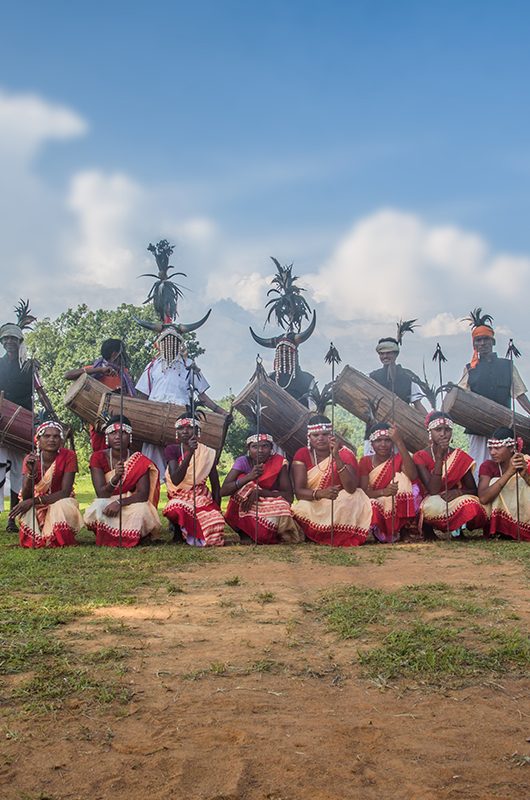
[(381, 147)]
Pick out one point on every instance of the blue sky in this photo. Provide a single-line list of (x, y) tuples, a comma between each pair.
[(382, 147)]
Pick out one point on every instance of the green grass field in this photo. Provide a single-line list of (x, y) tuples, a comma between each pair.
[(428, 630)]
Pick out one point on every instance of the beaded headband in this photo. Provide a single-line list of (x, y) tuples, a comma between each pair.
[(187, 422), (260, 437), (438, 422), (380, 433), (325, 427), (508, 442), (117, 426), (57, 425)]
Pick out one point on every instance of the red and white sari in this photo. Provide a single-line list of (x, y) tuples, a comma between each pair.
[(379, 478), (199, 518), (138, 520), (52, 525), (352, 513), (502, 512), (272, 522), (463, 510)]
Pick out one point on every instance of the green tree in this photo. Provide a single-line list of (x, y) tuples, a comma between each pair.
[(74, 340)]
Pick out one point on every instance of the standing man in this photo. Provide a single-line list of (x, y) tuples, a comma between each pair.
[(169, 379), (490, 376), (403, 382), (16, 382)]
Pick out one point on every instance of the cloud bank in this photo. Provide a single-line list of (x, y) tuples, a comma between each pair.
[(85, 241)]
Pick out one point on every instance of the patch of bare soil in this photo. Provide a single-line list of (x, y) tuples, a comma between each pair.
[(239, 693)]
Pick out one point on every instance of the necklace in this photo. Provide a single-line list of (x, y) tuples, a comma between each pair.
[(316, 463), (111, 460)]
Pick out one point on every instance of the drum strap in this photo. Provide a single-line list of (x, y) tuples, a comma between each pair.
[(10, 422)]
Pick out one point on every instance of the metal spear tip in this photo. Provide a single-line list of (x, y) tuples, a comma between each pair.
[(512, 351), (332, 356), (259, 372), (438, 354)]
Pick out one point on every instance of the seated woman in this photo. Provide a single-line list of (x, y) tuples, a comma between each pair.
[(324, 472), (49, 514), (498, 487), (261, 494), (387, 479), (447, 475), (194, 511), (140, 490)]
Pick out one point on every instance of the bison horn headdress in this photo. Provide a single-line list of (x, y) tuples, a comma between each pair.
[(290, 309), (164, 295)]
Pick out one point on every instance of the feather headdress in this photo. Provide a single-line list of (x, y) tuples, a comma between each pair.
[(164, 293)]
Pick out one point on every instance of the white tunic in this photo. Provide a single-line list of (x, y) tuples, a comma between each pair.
[(168, 384)]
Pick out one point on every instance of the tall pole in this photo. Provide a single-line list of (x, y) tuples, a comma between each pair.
[(120, 520), (193, 467), (259, 369), (511, 353), (33, 452), (392, 376), (441, 359), (332, 357)]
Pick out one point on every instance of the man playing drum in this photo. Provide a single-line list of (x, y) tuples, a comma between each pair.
[(490, 376), (107, 369), (16, 384)]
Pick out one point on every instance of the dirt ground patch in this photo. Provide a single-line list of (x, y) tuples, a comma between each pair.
[(237, 690)]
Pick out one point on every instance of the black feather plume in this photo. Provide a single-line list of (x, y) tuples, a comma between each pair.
[(405, 326), (476, 318), (332, 356), (513, 351), (24, 318), (321, 399), (164, 293), (438, 354)]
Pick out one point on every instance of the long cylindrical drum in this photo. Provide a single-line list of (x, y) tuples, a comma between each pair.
[(355, 392), (282, 416), (15, 425), (482, 415), (152, 421), (84, 396)]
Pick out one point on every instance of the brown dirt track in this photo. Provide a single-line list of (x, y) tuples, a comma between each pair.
[(236, 694)]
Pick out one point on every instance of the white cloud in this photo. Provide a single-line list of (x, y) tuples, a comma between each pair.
[(105, 207), (86, 241), (443, 324), (27, 121), (195, 230), (394, 264), (248, 291)]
